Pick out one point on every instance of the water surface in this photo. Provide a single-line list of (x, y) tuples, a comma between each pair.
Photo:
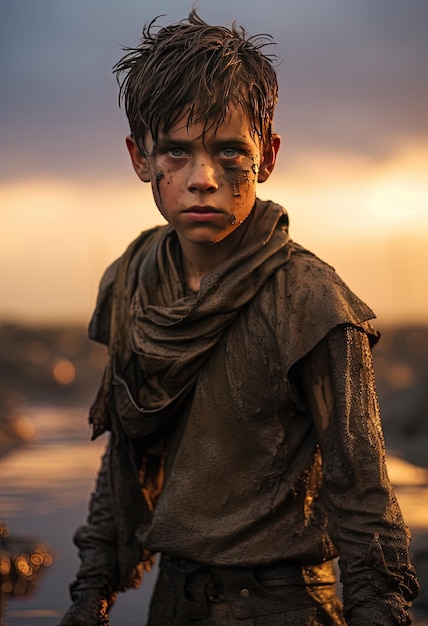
[(45, 487)]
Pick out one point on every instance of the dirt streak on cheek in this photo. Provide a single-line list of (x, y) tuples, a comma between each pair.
[(158, 177), (236, 177)]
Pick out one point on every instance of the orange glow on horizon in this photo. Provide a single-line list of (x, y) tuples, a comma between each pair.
[(368, 219)]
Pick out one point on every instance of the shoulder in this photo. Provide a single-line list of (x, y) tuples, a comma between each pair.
[(311, 282), (304, 262), (310, 299), (127, 264)]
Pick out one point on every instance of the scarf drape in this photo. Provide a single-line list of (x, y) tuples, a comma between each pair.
[(159, 336)]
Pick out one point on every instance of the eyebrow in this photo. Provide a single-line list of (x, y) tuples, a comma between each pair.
[(165, 142)]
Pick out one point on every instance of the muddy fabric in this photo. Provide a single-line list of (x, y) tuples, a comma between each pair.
[(233, 384), (364, 520), (143, 309), (171, 333)]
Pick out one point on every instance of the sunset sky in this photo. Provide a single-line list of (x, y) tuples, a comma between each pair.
[(352, 172)]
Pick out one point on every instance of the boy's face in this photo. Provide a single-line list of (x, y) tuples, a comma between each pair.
[(205, 186)]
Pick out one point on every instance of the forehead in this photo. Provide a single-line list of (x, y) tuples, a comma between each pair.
[(235, 125)]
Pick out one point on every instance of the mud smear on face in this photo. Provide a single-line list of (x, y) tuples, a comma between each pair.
[(238, 178), (158, 177), (236, 189)]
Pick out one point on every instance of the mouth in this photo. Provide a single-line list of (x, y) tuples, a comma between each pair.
[(202, 212), (202, 209)]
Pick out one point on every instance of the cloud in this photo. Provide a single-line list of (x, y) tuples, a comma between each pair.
[(352, 77)]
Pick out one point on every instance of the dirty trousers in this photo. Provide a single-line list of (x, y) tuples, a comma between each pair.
[(284, 594)]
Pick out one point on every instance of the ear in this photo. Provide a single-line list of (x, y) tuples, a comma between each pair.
[(139, 161), (268, 158)]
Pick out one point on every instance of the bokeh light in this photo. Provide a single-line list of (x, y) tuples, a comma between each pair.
[(64, 372)]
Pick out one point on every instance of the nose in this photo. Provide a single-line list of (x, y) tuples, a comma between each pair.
[(202, 177)]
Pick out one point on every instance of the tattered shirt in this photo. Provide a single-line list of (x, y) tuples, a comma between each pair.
[(244, 420)]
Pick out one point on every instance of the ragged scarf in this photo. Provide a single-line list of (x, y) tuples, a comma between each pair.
[(158, 336)]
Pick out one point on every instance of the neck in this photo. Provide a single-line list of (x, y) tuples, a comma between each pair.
[(198, 260)]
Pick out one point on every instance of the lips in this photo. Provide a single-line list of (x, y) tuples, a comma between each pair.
[(202, 213), (202, 209)]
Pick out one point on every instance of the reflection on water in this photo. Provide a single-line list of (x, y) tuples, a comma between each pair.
[(45, 487), (411, 487), (55, 469), (23, 560)]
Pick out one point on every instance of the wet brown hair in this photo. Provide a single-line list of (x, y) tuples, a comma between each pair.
[(191, 64)]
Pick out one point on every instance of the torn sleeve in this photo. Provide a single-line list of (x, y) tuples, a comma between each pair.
[(93, 591), (364, 519)]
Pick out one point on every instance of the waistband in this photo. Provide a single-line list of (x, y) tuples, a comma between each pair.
[(290, 572), (249, 592)]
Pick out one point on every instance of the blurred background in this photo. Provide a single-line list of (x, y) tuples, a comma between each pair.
[(352, 173)]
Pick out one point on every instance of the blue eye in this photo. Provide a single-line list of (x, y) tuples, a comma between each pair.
[(176, 152), (230, 152)]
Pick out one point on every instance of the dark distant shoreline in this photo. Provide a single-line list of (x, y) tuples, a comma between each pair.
[(57, 364)]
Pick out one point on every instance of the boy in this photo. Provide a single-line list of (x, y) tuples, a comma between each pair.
[(246, 446)]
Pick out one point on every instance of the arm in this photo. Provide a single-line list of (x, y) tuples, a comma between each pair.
[(93, 590), (365, 521)]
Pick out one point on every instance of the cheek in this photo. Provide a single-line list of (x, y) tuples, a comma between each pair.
[(162, 186), (242, 182), (242, 179), (158, 179)]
